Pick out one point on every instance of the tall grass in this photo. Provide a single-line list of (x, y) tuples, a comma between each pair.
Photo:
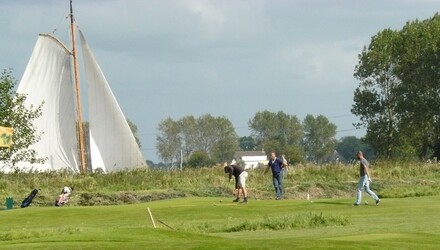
[(267, 223), (390, 179), (303, 220)]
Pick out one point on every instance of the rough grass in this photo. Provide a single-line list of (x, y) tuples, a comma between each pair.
[(390, 180), (267, 223), (302, 220)]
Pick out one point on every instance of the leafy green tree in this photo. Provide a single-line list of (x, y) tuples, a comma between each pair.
[(397, 99), (436, 149), (226, 141), (348, 147), (294, 154), (150, 163), (247, 143), (200, 159), (134, 130), (419, 102), (15, 114), (276, 131), (375, 99), (207, 132), (168, 142), (188, 135), (213, 135), (319, 140), (274, 145)]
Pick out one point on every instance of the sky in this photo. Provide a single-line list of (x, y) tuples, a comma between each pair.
[(231, 58)]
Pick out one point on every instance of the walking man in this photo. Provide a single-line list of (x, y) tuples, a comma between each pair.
[(364, 180), (240, 180), (276, 165)]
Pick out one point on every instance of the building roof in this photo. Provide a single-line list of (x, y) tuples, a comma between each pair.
[(239, 154)]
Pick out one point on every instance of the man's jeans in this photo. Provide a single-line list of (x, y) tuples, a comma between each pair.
[(364, 183), (278, 184)]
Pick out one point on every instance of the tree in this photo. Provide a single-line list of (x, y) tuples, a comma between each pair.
[(348, 147), (15, 114), (217, 137), (319, 140), (134, 130), (207, 135), (188, 135), (276, 131), (214, 136), (375, 99), (168, 142), (397, 99), (226, 141), (247, 143), (294, 154), (419, 103), (200, 159)]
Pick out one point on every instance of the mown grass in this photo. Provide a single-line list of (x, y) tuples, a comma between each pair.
[(193, 210), (216, 223)]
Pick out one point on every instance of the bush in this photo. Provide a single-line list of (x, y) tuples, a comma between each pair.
[(199, 159)]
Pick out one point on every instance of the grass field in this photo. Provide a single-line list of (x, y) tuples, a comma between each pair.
[(218, 223)]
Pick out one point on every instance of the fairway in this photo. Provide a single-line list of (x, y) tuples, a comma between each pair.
[(217, 223)]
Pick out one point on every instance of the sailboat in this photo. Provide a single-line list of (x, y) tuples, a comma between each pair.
[(51, 77)]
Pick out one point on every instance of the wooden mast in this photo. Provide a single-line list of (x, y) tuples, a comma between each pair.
[(78, 96)]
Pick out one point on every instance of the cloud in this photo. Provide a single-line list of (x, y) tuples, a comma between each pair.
[(171, 58)]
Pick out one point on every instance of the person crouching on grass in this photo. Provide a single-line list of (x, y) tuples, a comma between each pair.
[(240, 180)]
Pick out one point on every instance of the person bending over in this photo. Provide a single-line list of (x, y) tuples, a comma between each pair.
[(241, 176)]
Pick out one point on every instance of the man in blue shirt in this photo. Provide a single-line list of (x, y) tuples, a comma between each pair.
[(276, 165)]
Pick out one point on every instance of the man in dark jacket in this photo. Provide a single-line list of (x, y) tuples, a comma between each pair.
[(277, 166), (240, 180)]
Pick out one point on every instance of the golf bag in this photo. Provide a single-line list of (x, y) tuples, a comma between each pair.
[(26, 202), (63, 198)]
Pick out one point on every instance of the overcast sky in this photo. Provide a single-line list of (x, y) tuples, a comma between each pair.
[(232, 58)]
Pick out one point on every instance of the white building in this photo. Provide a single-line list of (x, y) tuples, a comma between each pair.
[(251, 159)]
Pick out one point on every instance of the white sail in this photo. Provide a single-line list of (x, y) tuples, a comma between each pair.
[(97, 162), (48, 79), (113, 146)]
